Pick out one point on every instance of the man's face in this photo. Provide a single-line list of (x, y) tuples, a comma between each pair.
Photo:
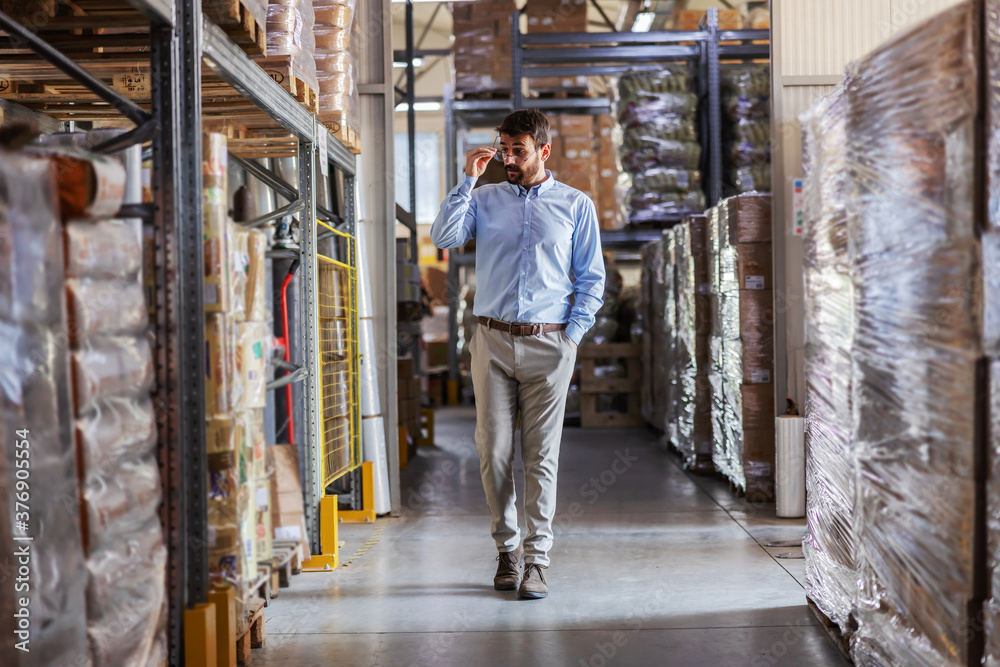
[(519, 146)]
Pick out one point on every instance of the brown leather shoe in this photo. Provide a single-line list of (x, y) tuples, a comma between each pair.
[(533, 586), (508, 574)]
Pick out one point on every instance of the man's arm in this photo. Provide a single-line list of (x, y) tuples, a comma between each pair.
[(588, 268), (456, 223)]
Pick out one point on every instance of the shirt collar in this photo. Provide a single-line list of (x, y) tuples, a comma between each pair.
[(539, 189)]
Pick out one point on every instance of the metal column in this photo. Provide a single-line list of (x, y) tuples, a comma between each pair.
[(516, 56), (714, 109), (309, 320)]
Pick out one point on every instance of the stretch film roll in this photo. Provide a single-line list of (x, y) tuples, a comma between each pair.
[(373, 430), (790, 469)]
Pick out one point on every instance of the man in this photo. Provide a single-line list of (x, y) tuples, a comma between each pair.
[(540, 281)]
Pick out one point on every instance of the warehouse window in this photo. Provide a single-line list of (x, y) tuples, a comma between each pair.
[(428, 170)]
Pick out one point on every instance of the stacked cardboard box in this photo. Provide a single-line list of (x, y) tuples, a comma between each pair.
[(408, 388), (407, 273), (742, 345), (609, 210), (573, 160), (482, 46), (557, 16), (286, 508)]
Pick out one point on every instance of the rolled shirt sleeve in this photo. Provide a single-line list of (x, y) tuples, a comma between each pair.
[(588, 269)]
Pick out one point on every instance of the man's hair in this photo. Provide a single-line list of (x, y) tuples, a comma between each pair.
[(527, 121)]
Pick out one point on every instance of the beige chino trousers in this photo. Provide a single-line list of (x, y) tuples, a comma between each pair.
[(530, 374)]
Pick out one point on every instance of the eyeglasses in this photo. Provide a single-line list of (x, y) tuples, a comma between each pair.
[(517, 155)]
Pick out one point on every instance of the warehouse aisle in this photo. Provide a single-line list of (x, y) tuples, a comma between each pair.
[(650, 567)]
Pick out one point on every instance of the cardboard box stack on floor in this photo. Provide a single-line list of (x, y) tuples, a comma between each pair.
[(408, 388), (238, 344), (482, 46), (742, 345), (557, 16)]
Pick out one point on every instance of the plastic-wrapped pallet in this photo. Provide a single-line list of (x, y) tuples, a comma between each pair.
[(657, 111), (651, 254), (829, 547), (911, 134), (482, 46), (742, 345), (670, 349), (36, 411), (335, 59), (694, 314), (657, 333), (746, 101), (291, 31)]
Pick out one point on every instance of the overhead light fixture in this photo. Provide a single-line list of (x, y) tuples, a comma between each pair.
[(643, 22), (417, 62), (419, 106)]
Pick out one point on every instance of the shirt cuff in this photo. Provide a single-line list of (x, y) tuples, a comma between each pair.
[(466, 186), (575, 332)]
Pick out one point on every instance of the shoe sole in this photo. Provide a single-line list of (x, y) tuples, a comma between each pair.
[(503, 587), (526, 595)]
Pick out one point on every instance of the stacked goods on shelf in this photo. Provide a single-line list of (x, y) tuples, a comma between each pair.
[(670, 367), (609, 210), (482, 46), (916, 383), (573, 160), (557, 16), (690, 19), (238, 344), (658, 331), (112, 370), (742, 344), (651, 275), (657, 111), (746, 103), (831, 570), (245, 21), (694, 329), (36, 413), (408, 388), (291, 33), (336, 63)]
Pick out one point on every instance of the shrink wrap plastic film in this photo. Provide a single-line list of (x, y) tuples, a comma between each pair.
[(291, 32), (829, 546), (644, 319), (337, 41), (742, 345), (34, 396), (693, 410), (659, 147), (915, 259), (656, 333), (669, 367), (746, 102)]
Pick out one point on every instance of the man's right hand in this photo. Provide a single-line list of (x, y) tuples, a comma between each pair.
[(476, 161)]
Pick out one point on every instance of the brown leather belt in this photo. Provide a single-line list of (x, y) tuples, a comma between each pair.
[(520, 329)]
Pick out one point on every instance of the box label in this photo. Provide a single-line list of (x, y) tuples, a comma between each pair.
[(760, 377), (798, 208), (131, 84), (754, 282)]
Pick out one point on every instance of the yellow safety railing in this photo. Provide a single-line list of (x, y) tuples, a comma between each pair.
[(340, 413)]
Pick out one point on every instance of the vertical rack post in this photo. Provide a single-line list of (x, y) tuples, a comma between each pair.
[(714, 109), (308, 311), (516, 87)]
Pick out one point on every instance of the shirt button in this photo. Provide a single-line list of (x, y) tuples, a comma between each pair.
[(525, 247)]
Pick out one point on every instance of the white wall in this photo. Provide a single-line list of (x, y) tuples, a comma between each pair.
[(812, 42)]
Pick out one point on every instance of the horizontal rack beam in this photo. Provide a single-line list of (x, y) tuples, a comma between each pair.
[(611, 54), (661, 37), (161, 11)]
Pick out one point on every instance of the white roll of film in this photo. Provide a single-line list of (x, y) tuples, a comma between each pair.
[(790, 467)]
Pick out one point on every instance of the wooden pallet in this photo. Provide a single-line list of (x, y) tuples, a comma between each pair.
[(253, 636), (561, 93), (282, 70), (282, 566), (840, 637), (591, 385), (336, 122), (237, 22), (295, 566)]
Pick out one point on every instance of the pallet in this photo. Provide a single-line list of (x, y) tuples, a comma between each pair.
[(561, 94), (253, 636), (281, 69), (237, 22), (591, 385), (840, 638), (295, 566), (499, 94), (282, 567), (336, 123)]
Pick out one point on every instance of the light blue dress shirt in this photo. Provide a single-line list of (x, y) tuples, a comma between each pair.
[(534, 250)]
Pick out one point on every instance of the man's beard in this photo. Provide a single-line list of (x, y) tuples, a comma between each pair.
[(516, 176)]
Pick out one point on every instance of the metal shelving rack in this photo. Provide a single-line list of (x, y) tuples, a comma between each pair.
[(601, 54), (181, 40)]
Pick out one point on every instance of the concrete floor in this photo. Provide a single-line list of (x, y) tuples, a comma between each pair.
[(651, 566)]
